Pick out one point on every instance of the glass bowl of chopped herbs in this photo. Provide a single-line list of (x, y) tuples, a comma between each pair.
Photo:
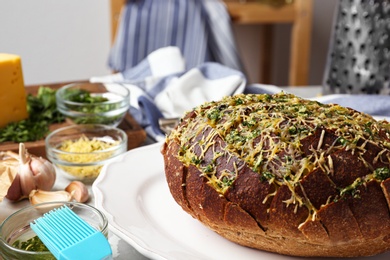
[(78, 152), (93, 103), (18, 240)]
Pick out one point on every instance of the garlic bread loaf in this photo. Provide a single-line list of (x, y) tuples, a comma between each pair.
[(284, 174)]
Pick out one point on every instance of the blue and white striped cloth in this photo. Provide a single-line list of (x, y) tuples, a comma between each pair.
[(161, 87), (200, 28)]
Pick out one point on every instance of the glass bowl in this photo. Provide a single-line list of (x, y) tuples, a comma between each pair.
[(79, 151), (93, 103), (17, 227)]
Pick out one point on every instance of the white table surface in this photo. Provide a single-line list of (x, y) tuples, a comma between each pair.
[(120, 248)]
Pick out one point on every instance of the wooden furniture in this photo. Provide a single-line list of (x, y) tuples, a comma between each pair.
[(115, 12), (298, 13)]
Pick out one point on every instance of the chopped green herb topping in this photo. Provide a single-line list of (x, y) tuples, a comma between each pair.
[(33, 244), (382, 173)]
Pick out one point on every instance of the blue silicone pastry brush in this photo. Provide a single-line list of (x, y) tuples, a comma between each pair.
[(68, 236)]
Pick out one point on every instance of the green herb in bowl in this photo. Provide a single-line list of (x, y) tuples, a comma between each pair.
[(83, 96), (93, 103), (33, 244)]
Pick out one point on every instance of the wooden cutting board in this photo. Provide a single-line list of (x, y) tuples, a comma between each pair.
[(135, 133)]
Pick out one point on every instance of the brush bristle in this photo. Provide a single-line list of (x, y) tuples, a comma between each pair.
[(61, 228)]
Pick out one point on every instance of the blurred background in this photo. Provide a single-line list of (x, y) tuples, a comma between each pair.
[(69, 40)]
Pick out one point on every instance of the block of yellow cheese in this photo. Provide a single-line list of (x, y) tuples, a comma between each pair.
[(13, 104)]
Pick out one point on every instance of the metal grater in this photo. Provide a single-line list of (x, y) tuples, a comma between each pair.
[(358, 61)]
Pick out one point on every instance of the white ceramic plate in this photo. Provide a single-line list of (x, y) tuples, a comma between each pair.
[(133, 194)]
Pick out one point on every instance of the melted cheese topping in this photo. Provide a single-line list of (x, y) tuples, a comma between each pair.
[(265, 131)]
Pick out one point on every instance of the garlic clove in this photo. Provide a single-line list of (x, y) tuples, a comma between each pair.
[(78, 190), (14, 191), (44, 173), (27, 183), (41, 196)]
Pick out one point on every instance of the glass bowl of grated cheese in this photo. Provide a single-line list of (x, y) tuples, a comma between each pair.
[(80, 151)]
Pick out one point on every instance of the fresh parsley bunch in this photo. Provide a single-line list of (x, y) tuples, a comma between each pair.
[(42, 110)]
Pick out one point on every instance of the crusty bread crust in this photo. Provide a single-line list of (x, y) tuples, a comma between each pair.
[(338, 207)]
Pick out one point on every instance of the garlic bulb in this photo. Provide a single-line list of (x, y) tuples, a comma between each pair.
[(33, 173)]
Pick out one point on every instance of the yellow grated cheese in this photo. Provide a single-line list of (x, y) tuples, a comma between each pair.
[(84, 151)]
